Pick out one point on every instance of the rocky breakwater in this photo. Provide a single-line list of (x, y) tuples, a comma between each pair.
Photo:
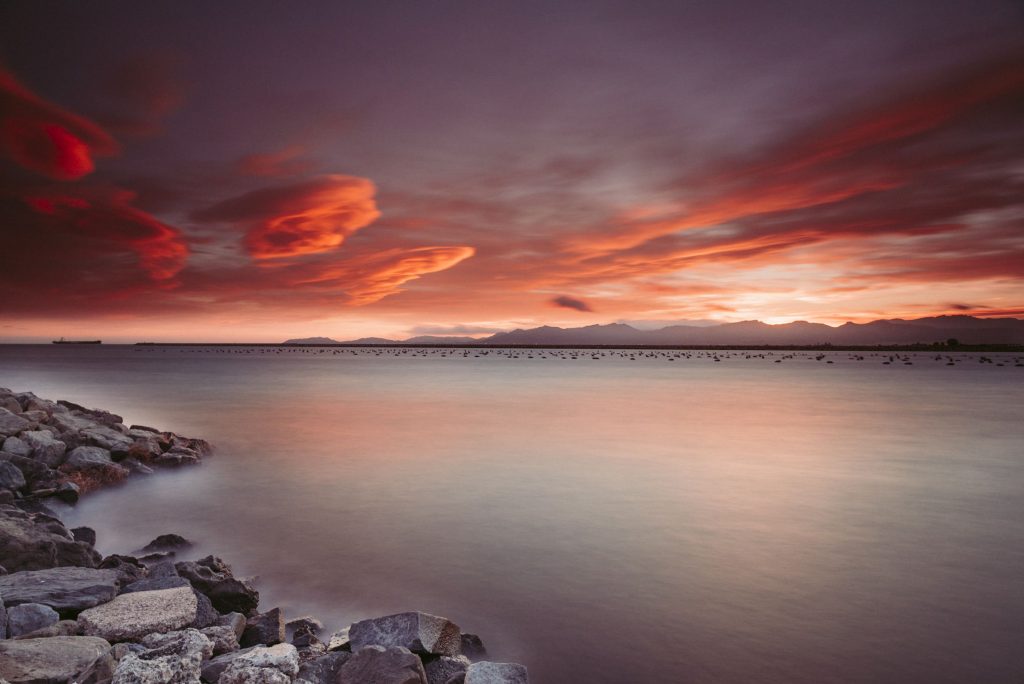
[(69, 614)]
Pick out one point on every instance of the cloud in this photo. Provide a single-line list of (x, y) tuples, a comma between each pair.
[(286, 161), (567, 302), (43, 138), (301, 218), (145, 90)]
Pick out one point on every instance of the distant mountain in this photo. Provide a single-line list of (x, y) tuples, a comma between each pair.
[(965, 329)]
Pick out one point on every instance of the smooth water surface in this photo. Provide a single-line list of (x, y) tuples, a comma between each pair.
[(599, 518)]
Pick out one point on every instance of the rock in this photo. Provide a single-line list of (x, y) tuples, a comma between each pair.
[(264, 628), (56, 660), (61, 628), (84, 534), (142, 428), (177, 456), (206, 614), (11, 424), (7, 497), (87, 458), (10, 476), (33, 470), (129, 569), (130, 616), (223, 637), (161, 568), (214, 668), (307, 621), (325, 669), (68, 492), (132, 465), (235, 621), (169, 659), (45, 448), (281, 658), (95, 415), (339, 641), (166, 542), (16, 446), (380, 665), (33, 541), (119, 651), (472, 647), (156, 584), (496, 673), (28, 617), (252, 675), (3, 618), (67, 590), (419, 632), (305, 638), (440, 670), (10, 403), (213, 577), (107, 438)]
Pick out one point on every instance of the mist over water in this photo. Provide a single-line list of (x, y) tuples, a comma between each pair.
[(603, 520)]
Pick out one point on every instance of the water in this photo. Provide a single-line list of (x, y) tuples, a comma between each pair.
[(600, 520)]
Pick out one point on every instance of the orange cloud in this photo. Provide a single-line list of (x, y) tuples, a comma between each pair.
[(41, 137), (303, 218)]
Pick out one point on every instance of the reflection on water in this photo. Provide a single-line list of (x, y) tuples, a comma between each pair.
[(602, 520)]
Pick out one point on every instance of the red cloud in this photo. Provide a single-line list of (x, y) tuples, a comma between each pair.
[(41, 137), (284, 162), (302, 218)]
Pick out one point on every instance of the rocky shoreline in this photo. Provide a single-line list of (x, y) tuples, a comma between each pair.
[(68, 614)]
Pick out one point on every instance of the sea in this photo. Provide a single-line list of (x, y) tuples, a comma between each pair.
[(601, 516)]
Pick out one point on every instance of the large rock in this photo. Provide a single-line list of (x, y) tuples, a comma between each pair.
[(441, 669), (213, 577), (11, 424), (155, 584), (213, 669), (281, 659), (168, 659), (166, 542), (496, 673), (66, 590), (380, 665), (223, 637), (56, 660), (130, 616), (265, 628), (45, 448), (325, 669), (472, 646), (87, 458), (28, 617), (419, 632), (36, 473), (129, 569), (107, 438), (33, 541), (16, 446), (10, 476)]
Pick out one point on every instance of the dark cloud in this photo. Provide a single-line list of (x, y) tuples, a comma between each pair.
[(143, 90), (567, 302)]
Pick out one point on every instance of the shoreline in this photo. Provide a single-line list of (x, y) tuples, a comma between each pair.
[(149, 615)]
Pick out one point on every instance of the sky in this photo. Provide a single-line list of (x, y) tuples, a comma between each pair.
[(254, 171)]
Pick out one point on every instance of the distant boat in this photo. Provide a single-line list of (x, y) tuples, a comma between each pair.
[(63, 341)]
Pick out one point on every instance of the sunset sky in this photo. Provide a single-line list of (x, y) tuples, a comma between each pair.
[(254, 171)]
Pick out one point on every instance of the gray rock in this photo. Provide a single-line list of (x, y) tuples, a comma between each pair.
[(11, 424), (223, 637), (496, 673), (61, 628), (68, 492), (155, 584), (16, 446), (419, 632), (28, 617), (244, 674), (130, 616), (380, 665), (107, 438), (129, 569), (7, 497), (213, 669), (177, 456), (324, 669), (45, 448), (87, 458), (132, 465), (166, 542), (472, 647), (119, 651), (70, 423), (168, 659), (67, 590), (178, 642), (34, 471), (33, 541), (213, 577), (441, 669), (281, 658), (264, 628), (56, 660), (162, 568), (307, 621), (206, 614), (235, 621), (3, 618), (94, 415), (10, 476), (10, 403), (339, 641), (84, 534)]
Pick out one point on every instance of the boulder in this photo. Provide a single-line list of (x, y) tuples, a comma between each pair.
[(16, 446), (84, 534), (235, 621), (61, 628), (28, 617), (307, 621), (10, 403), (177, 456), (155, 584), (130, 616), (244, 674), (94, 415), (166, 542), (34, 471), (11, 424), (32, 541), (380, 665), (10, 476), (56, 660), (223, 637), (164, 567), (496, 673), (69, 423), (3, 618), (87, 458), (213, 577), (472, 647), (264, 628), (419, 632), (45, 448), (68, 492), (107, 438), (213, 669), (324, 669), (129, 569), (168, 659), (67, 590), (206, 614), (280, 658), (441, 669), (339, 641)]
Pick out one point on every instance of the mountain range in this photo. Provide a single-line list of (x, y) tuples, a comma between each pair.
[(964, 329)]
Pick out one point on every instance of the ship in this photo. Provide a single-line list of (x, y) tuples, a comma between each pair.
[(63, 341)]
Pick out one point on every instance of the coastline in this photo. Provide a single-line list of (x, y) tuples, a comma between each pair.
[(69, 614)]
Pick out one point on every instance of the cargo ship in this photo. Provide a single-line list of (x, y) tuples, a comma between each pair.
[(63, 341)]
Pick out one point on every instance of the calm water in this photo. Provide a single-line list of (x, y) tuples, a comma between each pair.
[(603, 520)]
